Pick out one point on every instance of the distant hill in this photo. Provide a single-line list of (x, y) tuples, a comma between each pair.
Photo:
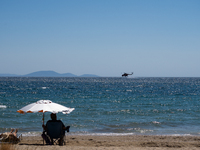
[(8, 75), (47, 74)]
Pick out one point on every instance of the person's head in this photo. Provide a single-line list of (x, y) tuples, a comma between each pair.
[(53, 116)]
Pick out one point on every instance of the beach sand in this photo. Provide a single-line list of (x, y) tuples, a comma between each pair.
[(133, 142)]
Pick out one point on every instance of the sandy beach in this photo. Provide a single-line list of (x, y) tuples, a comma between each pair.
[(136, 142)]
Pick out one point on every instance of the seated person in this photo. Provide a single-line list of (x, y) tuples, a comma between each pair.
[(54, 119), (9, 136)]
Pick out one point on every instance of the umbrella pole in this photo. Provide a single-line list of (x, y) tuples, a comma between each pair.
[(43, 125), (43, 120)]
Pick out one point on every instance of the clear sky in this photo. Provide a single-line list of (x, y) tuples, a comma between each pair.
[(152, 38)]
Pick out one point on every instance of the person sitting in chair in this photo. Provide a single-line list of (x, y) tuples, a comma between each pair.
[(54, 119)]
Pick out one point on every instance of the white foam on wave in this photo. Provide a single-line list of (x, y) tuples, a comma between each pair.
[(103, 134), (38, 133), (129, 90), (180, 135), (156, 122), (31, 133), (44, 88), (3, 106)]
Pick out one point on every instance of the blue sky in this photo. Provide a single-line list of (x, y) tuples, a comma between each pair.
[(152, 38)]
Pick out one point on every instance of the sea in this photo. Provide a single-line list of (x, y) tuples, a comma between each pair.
[(105, 105)]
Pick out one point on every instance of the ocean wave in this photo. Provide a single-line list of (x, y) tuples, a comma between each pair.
[(44, 88), (31, 133), (3, 106), (156, 122), (100, 134), (79, 133)]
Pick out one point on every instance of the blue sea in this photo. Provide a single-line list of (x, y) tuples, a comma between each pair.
[(105, 106)]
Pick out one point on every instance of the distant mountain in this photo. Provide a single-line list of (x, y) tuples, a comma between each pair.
[(8, 75), (69, 75), (47, 74)]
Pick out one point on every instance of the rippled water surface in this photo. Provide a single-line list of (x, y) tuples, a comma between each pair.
[(106, 105)]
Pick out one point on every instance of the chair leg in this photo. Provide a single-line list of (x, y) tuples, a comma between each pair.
[(60, 141)]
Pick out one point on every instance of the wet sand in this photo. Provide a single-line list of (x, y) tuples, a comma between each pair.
[(136, 142)]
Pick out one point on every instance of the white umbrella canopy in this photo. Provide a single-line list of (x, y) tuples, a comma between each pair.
[(45, 106)]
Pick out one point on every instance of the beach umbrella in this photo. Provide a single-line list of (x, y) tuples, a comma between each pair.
[(45, 106)]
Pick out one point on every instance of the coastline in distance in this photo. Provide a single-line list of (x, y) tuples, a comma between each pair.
[(47, 74)]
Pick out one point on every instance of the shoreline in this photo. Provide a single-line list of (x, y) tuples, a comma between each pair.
[(137, 142)]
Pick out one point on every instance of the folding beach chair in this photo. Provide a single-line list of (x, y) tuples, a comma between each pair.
[(55, 132)]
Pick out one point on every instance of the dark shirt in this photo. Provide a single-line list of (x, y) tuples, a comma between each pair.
[(55, 121)]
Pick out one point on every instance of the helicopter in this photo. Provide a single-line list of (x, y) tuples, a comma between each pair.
[(126, 74)]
